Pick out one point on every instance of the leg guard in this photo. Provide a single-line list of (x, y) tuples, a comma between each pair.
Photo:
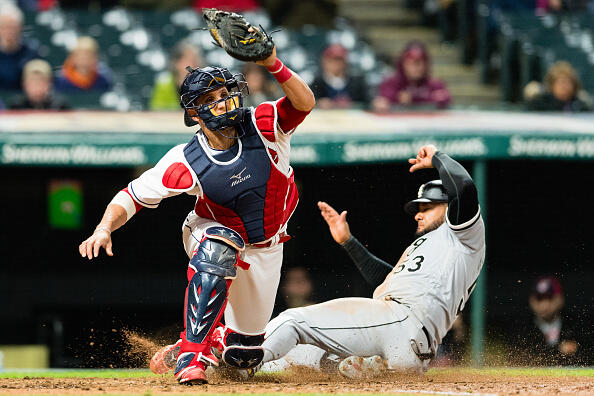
[(210, 271)]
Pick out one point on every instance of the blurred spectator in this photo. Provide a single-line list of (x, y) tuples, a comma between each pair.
[(82, 71), (227, 5), (447, 16), (550, 339), (453, 345), (297, 14), (550, 6), (260, 86), (37, 86), (14, 52), (561, 92), (412, 84), (297, 288), (334, 86), (165, 95)]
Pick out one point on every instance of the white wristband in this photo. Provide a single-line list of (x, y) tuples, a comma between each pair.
[(124, 199)]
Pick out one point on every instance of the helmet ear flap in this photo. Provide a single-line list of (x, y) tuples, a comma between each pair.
[(188, 119)]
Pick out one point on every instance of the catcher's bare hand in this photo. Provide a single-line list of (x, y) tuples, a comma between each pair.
[(91, 246), (339, 228), (423, 159)]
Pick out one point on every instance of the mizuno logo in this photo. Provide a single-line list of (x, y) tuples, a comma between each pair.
[(239, 178)]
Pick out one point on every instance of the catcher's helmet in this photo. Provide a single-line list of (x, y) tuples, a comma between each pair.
[(200, 81), (432, 191)]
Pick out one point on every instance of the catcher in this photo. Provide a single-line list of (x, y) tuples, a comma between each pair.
[(237, 165)]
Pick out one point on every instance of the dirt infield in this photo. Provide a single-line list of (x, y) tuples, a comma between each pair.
[(302, 381)]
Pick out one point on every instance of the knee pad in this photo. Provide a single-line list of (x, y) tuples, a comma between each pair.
[(218, 251), (215, 266)]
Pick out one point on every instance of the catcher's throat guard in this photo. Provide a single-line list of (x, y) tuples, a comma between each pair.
[(202, 81)]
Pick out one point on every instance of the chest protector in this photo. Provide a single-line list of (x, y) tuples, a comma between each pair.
[(242, 188)]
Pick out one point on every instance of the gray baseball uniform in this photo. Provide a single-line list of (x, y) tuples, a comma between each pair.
[(414, 307)]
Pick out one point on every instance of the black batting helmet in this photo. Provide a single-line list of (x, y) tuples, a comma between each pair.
[(200, 81), (432, 191)]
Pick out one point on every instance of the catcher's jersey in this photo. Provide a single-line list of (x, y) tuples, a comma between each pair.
[(153, 186), (437, 273)]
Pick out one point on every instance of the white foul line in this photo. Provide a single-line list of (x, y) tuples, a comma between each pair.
[(443, 392)]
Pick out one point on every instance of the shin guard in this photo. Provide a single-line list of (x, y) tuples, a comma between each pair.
[(210, 273)]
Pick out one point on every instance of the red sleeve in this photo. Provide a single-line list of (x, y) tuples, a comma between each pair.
[(136, 204), (288, 116)]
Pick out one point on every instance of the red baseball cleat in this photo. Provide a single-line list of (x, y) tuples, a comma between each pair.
[(165, 358), (191, 369)]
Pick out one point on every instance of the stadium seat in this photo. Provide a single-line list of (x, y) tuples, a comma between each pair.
[(531, 44), (135, 45)]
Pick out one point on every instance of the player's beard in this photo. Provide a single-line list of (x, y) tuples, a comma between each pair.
[(431, 227)]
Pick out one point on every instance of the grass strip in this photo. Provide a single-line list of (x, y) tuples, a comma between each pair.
[(77, 373)]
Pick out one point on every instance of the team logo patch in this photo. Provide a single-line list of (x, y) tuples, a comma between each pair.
[(420, 193)]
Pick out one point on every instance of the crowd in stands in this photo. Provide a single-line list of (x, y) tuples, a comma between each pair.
[(335, 86), (412, 84), (82, 70), (14, 52), (338, 80), (37, 89), (561, 91)]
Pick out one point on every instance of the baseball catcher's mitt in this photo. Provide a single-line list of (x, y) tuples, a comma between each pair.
[(230, 32)]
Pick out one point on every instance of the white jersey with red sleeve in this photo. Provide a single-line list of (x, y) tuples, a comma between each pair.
[(172, 175)]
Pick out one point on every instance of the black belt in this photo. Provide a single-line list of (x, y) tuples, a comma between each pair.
[(429, 355), (422, 356)]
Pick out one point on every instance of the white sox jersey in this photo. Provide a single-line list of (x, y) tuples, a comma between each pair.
[(436, 274)]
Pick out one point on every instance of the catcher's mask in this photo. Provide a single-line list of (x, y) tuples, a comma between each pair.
[(432, 191), (201, 81)]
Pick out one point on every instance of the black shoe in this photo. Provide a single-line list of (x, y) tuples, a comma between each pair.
[(243, 357)]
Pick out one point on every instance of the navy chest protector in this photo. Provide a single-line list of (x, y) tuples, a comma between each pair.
[(242, 189)]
